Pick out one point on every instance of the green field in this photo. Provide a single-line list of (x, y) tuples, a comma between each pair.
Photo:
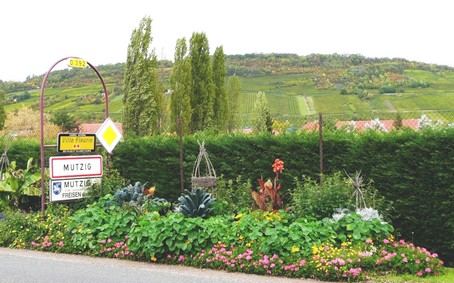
[(290, 97)]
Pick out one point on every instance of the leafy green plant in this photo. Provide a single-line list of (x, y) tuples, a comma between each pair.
[(311, 199), (99, 221), (233, 196), (197, 203), (109, 185), (21, 182), (160, 205), (354, 227)]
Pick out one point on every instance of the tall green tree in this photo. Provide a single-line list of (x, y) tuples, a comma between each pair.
[(233, 94), (65, 121), (202, 95), (221, 101), (180, 80), (2, 109), (261, 121), (143, 98)]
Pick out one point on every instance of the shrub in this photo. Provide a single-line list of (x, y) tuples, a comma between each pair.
[(310, 199), (233, 196)]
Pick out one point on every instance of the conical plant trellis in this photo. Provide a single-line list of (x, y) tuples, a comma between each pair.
[(4, 160), (208, 179)]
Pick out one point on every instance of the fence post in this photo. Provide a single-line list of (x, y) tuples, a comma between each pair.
[(320, 135)]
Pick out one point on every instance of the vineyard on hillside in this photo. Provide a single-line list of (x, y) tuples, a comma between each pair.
[(296, 87)]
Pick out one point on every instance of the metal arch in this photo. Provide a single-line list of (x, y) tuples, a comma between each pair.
[(43, 86)]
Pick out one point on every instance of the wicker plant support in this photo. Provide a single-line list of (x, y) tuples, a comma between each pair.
[(209, 179)]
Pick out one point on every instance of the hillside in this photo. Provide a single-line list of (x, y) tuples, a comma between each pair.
[(296, 87)]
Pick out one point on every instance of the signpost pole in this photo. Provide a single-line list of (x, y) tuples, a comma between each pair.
[(41, 104)]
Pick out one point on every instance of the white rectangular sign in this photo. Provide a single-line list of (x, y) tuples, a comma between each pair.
[(70, 189), (67, 167)]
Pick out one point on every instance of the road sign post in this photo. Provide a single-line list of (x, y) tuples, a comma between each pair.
[(73, 62)]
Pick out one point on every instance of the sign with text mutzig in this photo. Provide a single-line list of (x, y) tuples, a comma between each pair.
[(70, 167), (70, 189), (108, 135)]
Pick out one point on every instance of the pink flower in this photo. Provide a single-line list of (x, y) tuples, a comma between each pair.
[(368, 241), (405, 260), (386, 241), (419, 273), (428, 270), (417, 261), (326, 248), (181, 258)]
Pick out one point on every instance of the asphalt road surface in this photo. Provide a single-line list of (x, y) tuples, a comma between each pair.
[(22, 266)]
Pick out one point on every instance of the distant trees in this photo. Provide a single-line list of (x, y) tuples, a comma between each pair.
[(180, 81), (25, 122), (261, 121), (221, 101), (2, 109), (233, 93), (199, 95), (202, 91), (143, 97), (65, 121)]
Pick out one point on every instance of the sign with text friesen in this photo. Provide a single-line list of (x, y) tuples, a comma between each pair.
[(76, 142), (70, 189)]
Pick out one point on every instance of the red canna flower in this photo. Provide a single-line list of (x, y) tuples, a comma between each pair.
[(278, 166)]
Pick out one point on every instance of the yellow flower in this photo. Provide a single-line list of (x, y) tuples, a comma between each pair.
[(241, 237), (295, 249), (239, 216), (248, 244), (314, 250), (153, 258)]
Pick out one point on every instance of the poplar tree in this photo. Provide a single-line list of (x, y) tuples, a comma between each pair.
[(2, 109), (233, 94), (202, 93), (221, 101), (142, 98), (180, 80), (261, 121)]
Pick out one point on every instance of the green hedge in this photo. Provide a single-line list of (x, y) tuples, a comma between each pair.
[(414, 170)]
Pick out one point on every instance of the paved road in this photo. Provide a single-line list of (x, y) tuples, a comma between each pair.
[(23, 266)]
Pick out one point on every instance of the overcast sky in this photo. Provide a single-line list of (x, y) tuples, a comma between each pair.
[(36, 34)]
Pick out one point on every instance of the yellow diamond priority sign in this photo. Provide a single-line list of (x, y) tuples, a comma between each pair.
[(108, 135)]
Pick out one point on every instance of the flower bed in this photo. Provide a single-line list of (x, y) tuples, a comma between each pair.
[(271, 243)]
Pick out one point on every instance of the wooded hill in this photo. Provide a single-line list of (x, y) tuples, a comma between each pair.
[(296, 86)]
